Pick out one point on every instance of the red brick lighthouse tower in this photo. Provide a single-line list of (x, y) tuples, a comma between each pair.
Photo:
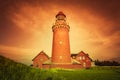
[(61, 45)]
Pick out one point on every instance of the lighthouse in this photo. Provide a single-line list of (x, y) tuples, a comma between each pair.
[(61, 57), (61, 43)]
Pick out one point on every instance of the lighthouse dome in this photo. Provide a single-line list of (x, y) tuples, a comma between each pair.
[(60, 13), (61, 16)]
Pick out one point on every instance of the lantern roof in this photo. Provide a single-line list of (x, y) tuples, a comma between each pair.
[(60, 13)]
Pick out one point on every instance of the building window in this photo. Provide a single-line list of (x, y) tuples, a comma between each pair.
[(41, 59), (73, 57), (84, 64), (83, 57), (80, 57)]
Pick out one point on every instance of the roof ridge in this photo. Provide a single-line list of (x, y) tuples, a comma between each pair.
[(40, 53)]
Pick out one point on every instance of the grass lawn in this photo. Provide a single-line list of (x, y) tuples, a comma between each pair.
[(95, 73), (10, 70)]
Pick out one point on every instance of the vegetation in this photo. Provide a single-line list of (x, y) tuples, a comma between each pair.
[(10, 70), (106, 63)]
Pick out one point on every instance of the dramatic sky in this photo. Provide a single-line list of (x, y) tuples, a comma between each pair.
[(25, 27)]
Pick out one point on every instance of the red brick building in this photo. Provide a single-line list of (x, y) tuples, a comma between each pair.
[(79, 60), (40, 59), (82, 58)]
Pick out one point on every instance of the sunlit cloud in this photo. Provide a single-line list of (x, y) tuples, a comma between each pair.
[(17, 54), (92, 29)]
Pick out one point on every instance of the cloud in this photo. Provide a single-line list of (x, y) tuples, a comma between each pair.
[(18, 54), (94, 25)]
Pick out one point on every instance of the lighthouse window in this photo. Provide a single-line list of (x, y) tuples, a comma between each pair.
[(60, 42), (60, 57)]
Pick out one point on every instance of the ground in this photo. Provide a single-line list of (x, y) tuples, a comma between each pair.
[(10, 70)]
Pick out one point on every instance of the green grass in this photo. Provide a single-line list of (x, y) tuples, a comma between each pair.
[(10, 70), (96, 73)]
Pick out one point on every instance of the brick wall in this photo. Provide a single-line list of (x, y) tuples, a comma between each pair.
[(66, 66)]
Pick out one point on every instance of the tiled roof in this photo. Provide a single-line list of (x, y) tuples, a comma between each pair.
[(75, 54)]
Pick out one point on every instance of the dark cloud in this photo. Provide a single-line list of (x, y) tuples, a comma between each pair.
[(109, 9), (8, 29), (106, 8)]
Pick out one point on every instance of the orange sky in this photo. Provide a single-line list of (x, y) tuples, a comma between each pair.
[(26, 27)]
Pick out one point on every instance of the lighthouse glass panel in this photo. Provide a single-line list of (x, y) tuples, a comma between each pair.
[(61, 17)]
